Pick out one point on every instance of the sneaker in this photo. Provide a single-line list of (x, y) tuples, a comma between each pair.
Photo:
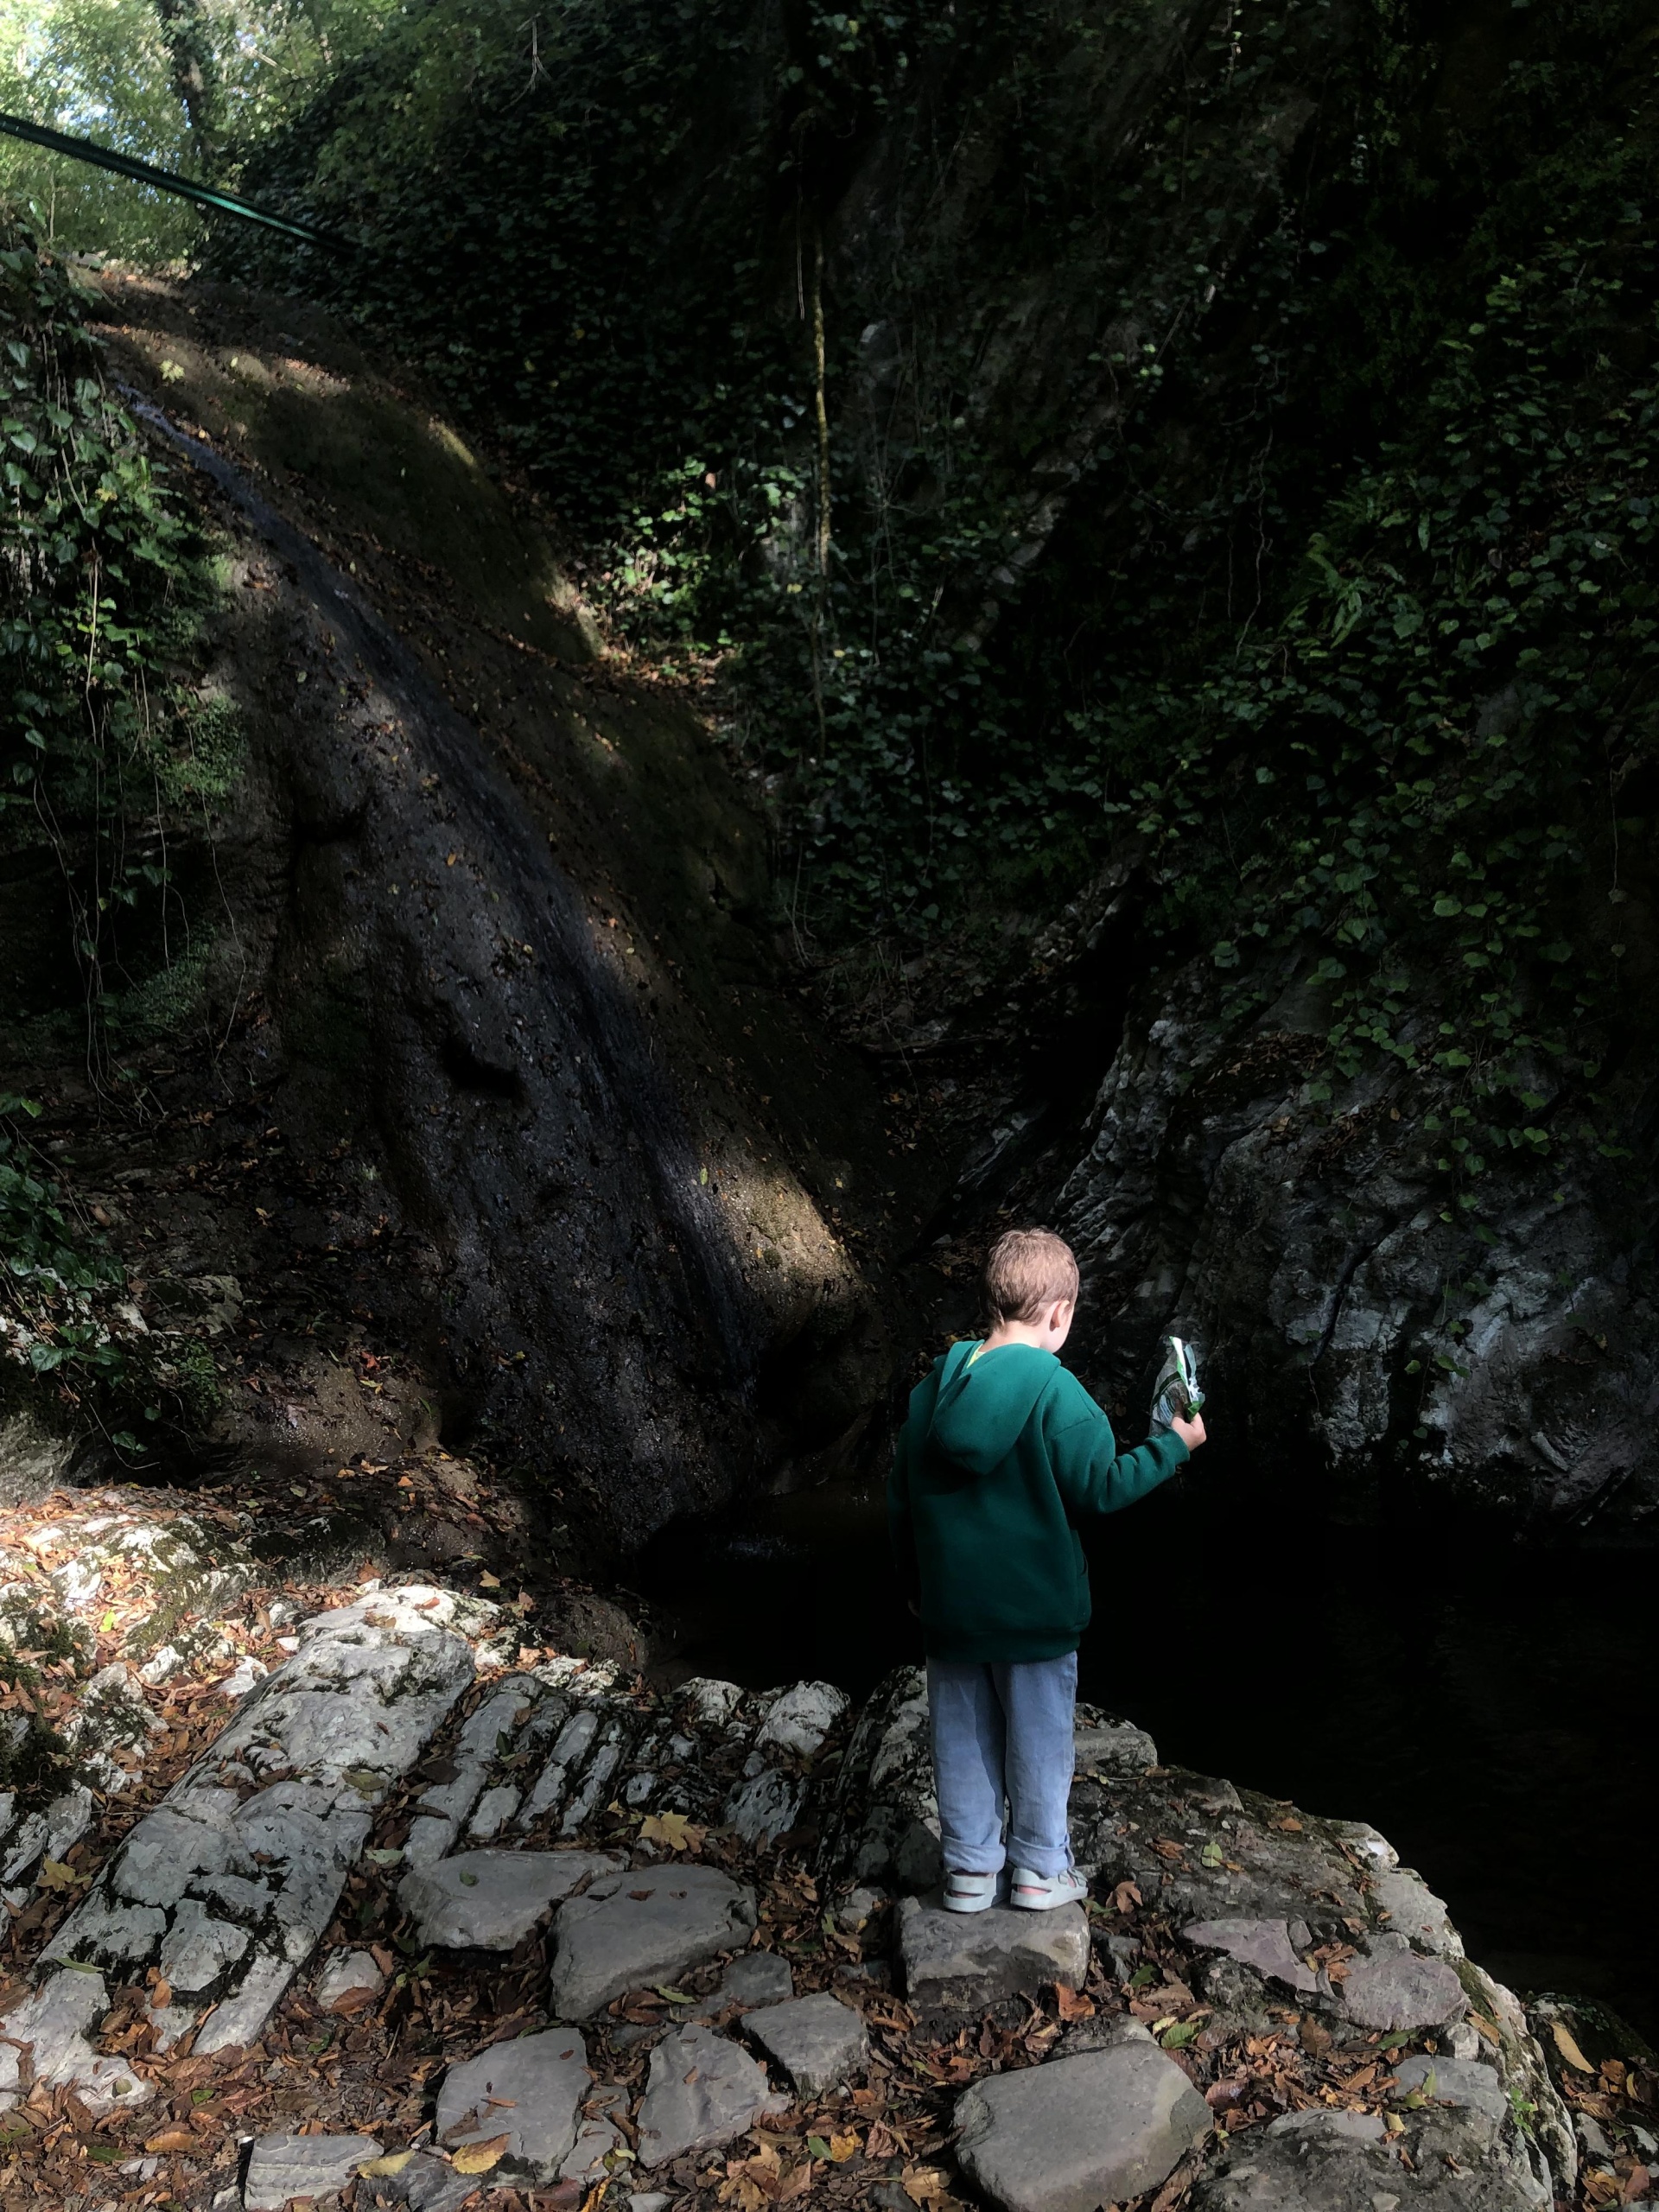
[(969, 1892), (1042, 1892)]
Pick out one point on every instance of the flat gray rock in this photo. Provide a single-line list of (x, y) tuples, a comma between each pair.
[(1264, 1944), (1463, 2084), (490, 1900), (818, 2041), (965, 1961), (530, 2090), (703, 2090), (428, 2183), (1079, 2132), (757, 1978), (1395, 1989), (631, 1929), (283, 2167)]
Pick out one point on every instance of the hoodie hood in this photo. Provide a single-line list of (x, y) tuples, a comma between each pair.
[(982, 1404)]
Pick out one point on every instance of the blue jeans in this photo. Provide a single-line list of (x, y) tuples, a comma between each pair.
[(1003, 1731)]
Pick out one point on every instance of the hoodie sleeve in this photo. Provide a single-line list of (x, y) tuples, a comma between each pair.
[(1091, 1473)]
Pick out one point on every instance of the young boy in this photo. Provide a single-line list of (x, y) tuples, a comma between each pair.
[(1004, 1452)]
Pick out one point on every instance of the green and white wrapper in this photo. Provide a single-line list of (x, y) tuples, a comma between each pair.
[(1177, 1394)]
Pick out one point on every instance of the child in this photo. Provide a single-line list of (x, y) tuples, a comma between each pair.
[(1003, 1454)]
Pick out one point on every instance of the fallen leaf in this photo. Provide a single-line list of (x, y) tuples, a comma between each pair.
[(1289, 1826), (672, 1831), (161, 1995), (1073, 2005), (924, 2184), (1126, 1896), (172, 2139), (479, 2157), (843, 2147), (54, 1875), (489, 1582), (1568, 2049), (393, 2163)]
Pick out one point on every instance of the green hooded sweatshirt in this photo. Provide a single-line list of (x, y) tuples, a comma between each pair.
[(1000, 1459)]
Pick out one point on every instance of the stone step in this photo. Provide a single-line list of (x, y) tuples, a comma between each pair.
[(965, 1962)]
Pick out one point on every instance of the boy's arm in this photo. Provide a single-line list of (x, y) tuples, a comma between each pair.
[(1093, 1475)]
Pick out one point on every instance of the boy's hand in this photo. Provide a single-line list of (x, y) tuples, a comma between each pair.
[(1190, 1431)]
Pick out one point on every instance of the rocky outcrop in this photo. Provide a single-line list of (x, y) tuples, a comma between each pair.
[(1228, 1191)]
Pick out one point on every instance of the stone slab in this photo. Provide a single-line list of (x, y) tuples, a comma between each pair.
[(1264, 1944), (630, 1930), (1079, 2132), (965, 1961), (530, 2090), (283, 2167), (703, 2090), (1396, 1988), (490, 1900), (818, 2041)]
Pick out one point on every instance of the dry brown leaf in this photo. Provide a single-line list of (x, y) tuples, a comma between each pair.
[(481, 2158), (1568, 2048), (172, 2139), (1073, 2005)]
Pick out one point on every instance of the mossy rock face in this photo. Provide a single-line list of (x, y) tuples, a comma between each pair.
[(284, 390)]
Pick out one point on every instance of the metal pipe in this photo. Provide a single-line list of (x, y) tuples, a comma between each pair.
[(83, 149)]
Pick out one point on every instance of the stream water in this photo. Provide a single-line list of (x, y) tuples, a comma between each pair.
[(1489, 1709)]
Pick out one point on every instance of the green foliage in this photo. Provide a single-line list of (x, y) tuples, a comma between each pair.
[(101, 579), (194, 92), (1349, 628)]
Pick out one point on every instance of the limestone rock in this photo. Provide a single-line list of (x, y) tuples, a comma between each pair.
[(529, 2090), (1459, 2083), (964, 1961), (235, 1883), (345, 1974), (597, 2137), (428, 2183), (884, 1819), (283, 2167), (53, 2026), (1269, 1946), (1322, 2161), (703, 2090), (1079, 2132), (818, 2041), (1395, 1989), (757, 1978), (643, 1927), (490, 1900)]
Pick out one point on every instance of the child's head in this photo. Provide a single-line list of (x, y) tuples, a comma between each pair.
[(1031, 1283)]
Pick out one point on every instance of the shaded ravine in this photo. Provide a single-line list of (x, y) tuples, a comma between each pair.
[(623, 1072)]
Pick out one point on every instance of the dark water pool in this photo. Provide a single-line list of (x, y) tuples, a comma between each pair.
[(1491, 1710)]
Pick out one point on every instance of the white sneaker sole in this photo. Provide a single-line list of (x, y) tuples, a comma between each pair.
[(1046, 1900)]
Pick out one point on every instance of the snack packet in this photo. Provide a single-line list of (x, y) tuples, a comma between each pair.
[(1177, 1394)]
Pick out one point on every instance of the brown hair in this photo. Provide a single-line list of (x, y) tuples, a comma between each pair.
[(1026, 1271)]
